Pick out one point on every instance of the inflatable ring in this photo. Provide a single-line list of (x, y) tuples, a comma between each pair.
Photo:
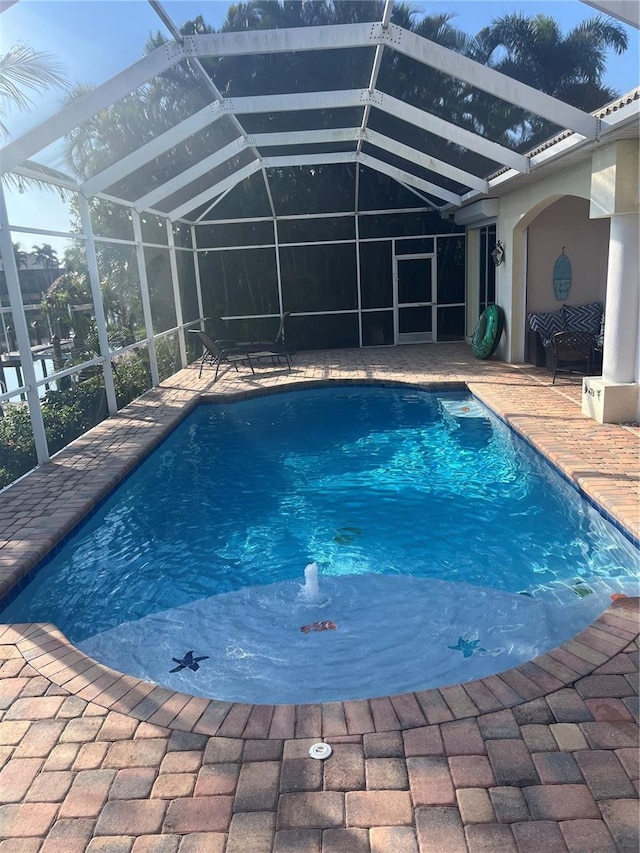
[(488, 332)]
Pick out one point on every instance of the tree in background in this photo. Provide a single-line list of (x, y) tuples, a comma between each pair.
[(534, 50), (24, 70), (48, 257), (22, 257)]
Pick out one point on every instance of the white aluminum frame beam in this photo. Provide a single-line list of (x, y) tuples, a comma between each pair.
[(424, 160), (216, 189), (297, 39), (624, 10), (310, 137), (410, 44), (306, 101), (446, 130), (310, 159), (304, 137), (98, 305), (267, 163), (491, 81), (407, 178), (375, 69), (286, 40), (331, 100), (191, 174), (386, 103), (22, 334), (88, 105), (154, 148)]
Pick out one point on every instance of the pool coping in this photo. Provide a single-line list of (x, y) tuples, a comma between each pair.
[(50, 653)]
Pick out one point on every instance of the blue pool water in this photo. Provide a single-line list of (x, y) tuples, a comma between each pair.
[(446, 550)]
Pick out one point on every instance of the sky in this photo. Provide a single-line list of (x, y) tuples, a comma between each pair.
[(92, 44)]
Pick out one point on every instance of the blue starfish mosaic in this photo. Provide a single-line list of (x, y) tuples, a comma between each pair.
[(188, 662), (467, 647)]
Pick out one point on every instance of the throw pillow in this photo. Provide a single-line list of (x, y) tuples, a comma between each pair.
[(583, 318), (547, 324)]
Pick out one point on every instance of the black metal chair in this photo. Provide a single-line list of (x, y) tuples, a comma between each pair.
[(215, 352), (277, 343), (571, 350)]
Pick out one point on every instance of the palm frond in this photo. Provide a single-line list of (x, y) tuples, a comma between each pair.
[(23, 182), (23, 68)]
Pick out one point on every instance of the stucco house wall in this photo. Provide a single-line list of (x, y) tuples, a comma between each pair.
[(566, 223), (518, 210)]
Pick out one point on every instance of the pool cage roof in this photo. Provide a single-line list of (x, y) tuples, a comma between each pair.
[(353, 102)]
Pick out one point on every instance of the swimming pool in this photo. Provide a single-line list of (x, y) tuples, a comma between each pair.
[(447, 550)]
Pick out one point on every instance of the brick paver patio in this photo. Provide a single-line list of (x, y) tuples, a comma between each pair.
[(543, 757)]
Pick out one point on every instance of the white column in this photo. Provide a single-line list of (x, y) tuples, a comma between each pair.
[(98, 307), (622, 309), (22, 333), (196, 266), (144, 295), (177, 298)]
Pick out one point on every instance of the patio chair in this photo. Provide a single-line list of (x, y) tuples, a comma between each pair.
[(277, 344), (570, 350), (215, 352)]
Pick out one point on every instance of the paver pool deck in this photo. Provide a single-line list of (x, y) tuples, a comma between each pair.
[(543, 757)]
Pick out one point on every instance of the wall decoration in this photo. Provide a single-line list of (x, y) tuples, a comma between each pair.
[(562, 277), (498, 254)]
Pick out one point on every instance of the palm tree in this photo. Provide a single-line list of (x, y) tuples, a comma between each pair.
[(47, 256), (22, 257), (24, 70), (534, 51)]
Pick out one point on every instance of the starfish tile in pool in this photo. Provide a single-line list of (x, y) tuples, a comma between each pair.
[(467, 647), (188, 661)]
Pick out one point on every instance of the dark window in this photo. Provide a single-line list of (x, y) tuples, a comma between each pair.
[(376, 275), (414, 319), (239, 282), (377, 328), (451, 270), (403, 225), (414, 280), (154, 229), (451, 323), (188, 292), (312, 189), (235, 234), (163, 309), (319, 278), (315, 230), (111, 220), (487, 267), (415, 247), (326, 331), (182, 235), (247, 199)]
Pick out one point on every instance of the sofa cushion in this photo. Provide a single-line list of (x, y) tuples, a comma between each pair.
[(547, 324), (583, 318)]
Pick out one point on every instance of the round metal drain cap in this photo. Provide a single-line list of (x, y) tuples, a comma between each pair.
[(320, 750)]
